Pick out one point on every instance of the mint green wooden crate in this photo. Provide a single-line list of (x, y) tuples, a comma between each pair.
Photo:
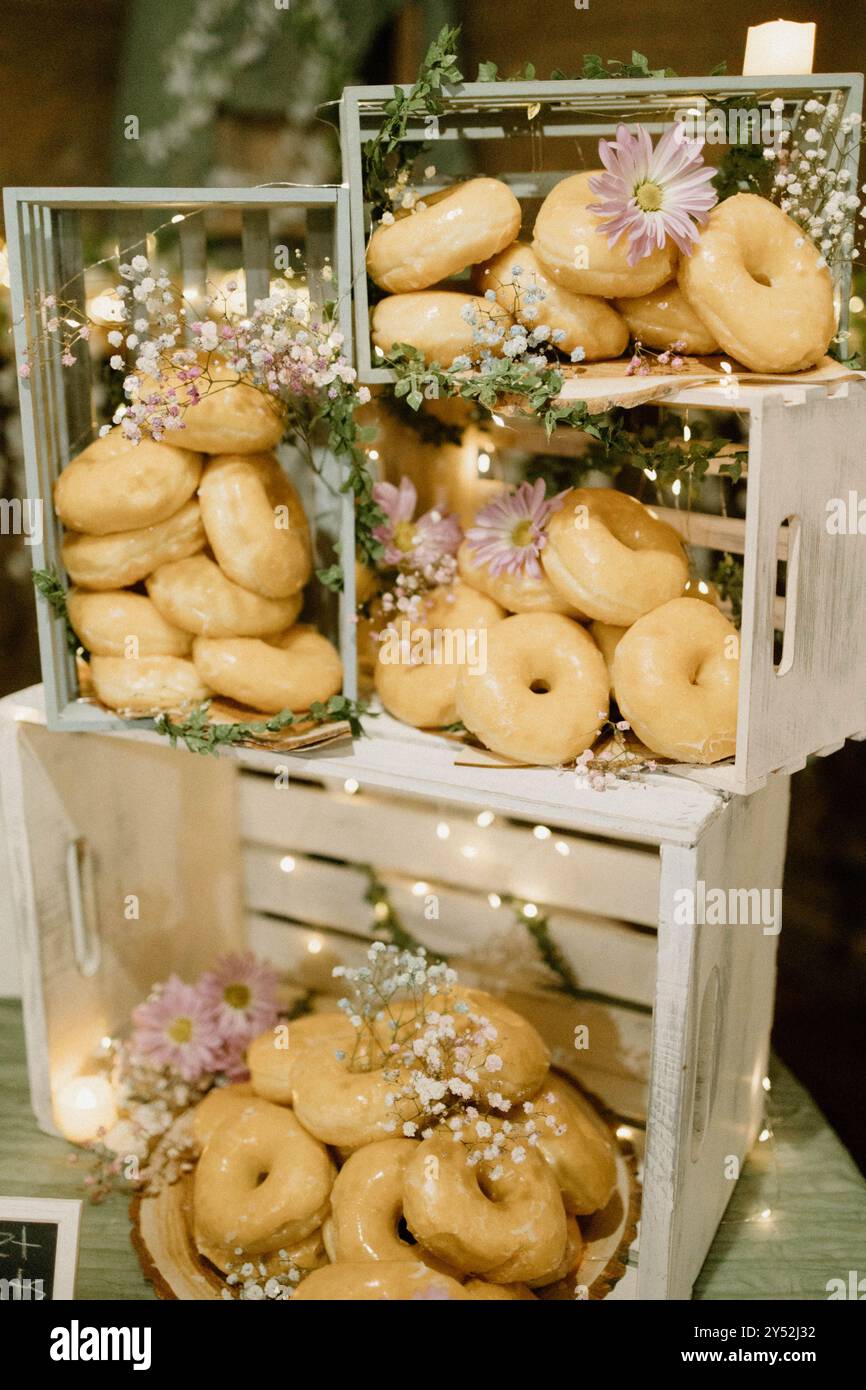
[(51, 234), (570, 116)]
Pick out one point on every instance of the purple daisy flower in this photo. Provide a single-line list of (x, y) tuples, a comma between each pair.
[(508, 535), (242, 992), (652, 194), (413, 543), (177, 1028)]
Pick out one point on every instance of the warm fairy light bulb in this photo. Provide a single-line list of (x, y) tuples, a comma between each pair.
[(541, 832), (497, 419), (178, 217), (676, 487), (350, 786), (763, 1136), (766, 1083), (443, 830), (484, 818), (84, 1106), (494, 899), (687, 433), (380, 912), (469, 851), (530, 910), (703, 587), (562, 848), (314, 945), (419, 889), (766, 1214), (373, 454), (651, 474), (483, 462), (287, 864), (855, 304), (624, 1131), (726, 368)]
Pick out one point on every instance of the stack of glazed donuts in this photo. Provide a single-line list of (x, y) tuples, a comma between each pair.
[(300, 1169), (607, 616), (754, 286), (189, 564)]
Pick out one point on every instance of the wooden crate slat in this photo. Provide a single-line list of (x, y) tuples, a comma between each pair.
[(606, 957), (257, 256), (594, 877)]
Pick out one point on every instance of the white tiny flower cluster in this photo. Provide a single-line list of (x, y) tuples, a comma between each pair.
[(493, 330), (811, 183)]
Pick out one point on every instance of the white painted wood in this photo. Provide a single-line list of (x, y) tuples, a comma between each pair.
[(606, 956), (403, 837), (706, 1096)]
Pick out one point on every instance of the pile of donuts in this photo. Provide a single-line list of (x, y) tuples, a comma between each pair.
[(189, 562), (608, 616), (297, 1172), (754, 286)]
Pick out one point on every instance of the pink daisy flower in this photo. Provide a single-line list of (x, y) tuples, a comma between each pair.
[(651, 194), (177, 1028), (413, 543), (508, 535), (242, 993)]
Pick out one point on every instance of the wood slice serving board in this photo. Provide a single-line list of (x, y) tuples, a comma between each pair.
[(162, 1238)]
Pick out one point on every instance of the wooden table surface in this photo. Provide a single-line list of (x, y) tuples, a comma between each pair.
[(802, 1176)]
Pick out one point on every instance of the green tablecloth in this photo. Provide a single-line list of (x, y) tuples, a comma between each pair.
[(816, 1229)]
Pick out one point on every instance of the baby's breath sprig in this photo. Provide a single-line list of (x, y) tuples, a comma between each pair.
[(200, 735)]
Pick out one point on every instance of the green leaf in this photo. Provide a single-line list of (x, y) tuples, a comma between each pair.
[(487, 72), (332, 578), (50, 588)]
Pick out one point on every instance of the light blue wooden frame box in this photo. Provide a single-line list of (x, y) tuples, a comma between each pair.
[(566, 110), (43, 229)]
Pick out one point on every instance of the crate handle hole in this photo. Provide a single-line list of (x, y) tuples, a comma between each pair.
[(706, 1060), (788, 575), (82, 907)]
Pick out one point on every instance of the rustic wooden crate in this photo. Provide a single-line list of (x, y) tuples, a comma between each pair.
[(803, 439), (47, 231), (678, 1015)]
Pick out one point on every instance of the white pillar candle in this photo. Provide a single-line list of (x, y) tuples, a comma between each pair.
[(83, 1107), (779, 47)]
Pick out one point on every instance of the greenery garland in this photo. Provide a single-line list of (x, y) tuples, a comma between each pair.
[(49, 586), (201, 736)]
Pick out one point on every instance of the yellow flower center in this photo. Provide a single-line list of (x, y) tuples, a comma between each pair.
[(181, 1030), (404, 535), (649, 197), (522, 534), (238, 996)]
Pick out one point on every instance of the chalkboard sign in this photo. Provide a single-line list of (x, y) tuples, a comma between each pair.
[(38, 1248)]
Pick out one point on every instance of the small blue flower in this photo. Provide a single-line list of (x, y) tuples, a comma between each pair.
[(558, 334), (517, 270), (491, 295), (578, 354)]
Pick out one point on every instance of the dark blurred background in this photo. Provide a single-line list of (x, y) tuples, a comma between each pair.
[(227, 92)]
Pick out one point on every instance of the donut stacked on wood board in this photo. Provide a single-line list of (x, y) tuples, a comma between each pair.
[(754, 286), (602, 614), (313, 1171), (189, 565)]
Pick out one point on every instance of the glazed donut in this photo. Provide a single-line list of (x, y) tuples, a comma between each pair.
[(432, 321), (148, 685), (306, 1254), (255, 524), (676, 673), (571, 244), (342, 1107), (755, 280), (421, 693), (570, 1261), (530, 656), (611, 557), (231, 417), (500, 1293), (234, 1205), (518, 593), (118, 486), (367, 1205), (400, 1280), (220, 1103), (126, 557), (511, 1228), (106, 621), (288, 671), (665, 316), (606, 637), (582, 1158), (271, 1066), (520, 1047), (196, 596), (458, 227), (584, 321)]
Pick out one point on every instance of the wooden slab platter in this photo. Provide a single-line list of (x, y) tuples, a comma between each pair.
[(162, 1235)]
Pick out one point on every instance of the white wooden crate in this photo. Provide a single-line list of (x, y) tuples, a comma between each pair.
[(678, 1014), (191, 232)]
